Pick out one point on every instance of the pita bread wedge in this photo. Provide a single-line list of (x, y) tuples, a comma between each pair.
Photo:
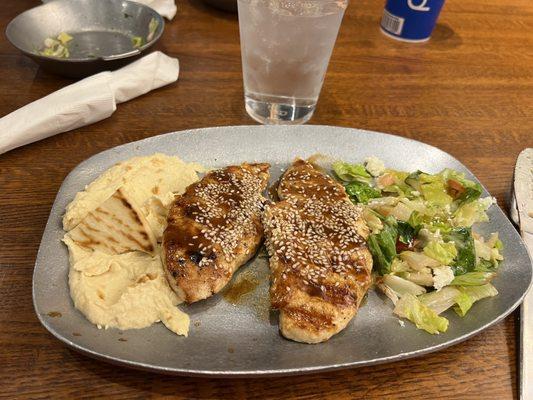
[(144, 178), (117, 226)]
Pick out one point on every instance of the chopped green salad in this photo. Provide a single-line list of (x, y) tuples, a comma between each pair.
[(427, 258)]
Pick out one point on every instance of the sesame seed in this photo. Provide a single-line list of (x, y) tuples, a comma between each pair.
[(314, 232)]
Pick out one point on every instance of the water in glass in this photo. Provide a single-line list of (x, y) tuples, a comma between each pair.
[(286, 46)]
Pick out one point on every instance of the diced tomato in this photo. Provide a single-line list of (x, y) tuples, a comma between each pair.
[(401, 246), (385, 180), (455, 188)]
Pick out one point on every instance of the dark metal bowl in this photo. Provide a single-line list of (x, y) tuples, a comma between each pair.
[(102, 32)]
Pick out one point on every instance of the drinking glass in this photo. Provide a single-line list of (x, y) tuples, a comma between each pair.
[(285, 47)]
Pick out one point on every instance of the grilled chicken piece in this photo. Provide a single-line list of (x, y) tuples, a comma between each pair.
[(319, 259), (213, 229)]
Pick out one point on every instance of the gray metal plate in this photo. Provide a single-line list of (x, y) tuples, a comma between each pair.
[(243, 339)]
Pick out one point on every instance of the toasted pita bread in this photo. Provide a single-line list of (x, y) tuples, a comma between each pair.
[(143, 178), (115, 227)]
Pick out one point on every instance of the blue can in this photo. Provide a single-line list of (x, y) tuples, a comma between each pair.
[(410, 20)]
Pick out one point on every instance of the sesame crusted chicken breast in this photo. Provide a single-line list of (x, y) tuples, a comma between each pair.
[(213, 229), (319, 261)]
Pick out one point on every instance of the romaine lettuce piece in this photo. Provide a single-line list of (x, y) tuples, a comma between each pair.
[(391, 294), (351, 172), (465, 261), (380, 247), (421, 315), (383, 245), (418, 261), (437, 225), (416, 219), (440, 301), (495, 255), (463, 302), (413, 180), (469, 295), (402, 286), (401, 212), (470, 213), (432, 187), (475, 278), (399, 265), (488, 253), (422, 278), (373, 220), (485, 266), (361, 192), (445, 253), (426, 236), (435, 193), (470, 194), (483, 250)]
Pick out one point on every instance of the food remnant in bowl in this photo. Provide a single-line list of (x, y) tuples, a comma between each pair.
[(57, 47), (137, 42), (55, 314), (426, 254), (113, 282), (152, 27)]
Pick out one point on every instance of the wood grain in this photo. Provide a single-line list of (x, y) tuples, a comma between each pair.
[(468, 91)]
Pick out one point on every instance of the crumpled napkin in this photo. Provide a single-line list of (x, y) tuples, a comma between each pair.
[(87, 101), (167, 8)]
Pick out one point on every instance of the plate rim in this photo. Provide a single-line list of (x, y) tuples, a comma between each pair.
[(270, 372)]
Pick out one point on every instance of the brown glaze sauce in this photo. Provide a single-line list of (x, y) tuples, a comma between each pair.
[(240, 288), (55, 314), (273, 191)]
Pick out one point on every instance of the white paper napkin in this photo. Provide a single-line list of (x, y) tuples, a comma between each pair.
[(85, 102), (167, 8)]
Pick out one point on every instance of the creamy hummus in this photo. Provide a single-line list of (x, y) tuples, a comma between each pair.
[(129, 290), (124, 291)]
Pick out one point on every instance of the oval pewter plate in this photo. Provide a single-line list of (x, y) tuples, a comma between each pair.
[(243, 339)]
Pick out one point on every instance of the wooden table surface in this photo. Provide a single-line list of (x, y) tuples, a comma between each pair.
[(468, 91)]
